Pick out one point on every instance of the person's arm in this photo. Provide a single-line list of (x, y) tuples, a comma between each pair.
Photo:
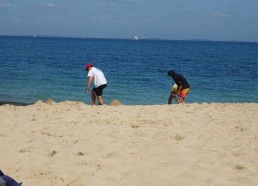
[(88, 84)]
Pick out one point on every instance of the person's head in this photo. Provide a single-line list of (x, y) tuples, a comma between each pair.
[(88, 67), (171, 73)]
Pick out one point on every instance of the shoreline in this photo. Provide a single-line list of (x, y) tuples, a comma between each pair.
[(112, 103), (71, 143), (15, 103)]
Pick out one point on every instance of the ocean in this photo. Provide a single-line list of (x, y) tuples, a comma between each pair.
[(42, 68)]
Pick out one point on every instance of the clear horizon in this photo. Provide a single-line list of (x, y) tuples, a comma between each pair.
[(126, 38), (230, 20)]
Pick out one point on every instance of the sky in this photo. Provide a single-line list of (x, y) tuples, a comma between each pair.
[(223, 20)]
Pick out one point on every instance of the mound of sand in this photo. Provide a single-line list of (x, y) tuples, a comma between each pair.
[(115, 102)]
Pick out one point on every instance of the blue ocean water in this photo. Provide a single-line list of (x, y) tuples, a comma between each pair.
[(42, 68)]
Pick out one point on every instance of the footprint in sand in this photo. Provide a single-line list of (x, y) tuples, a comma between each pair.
[(23, 151), (179, 137), (52, 153), (80, 153), (239, 167), (135, 126)]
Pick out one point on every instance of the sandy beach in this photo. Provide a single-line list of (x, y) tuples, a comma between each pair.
[(71, 143)]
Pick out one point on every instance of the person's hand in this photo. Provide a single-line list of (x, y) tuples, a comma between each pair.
[(87, 90)]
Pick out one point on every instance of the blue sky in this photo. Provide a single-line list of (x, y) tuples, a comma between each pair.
[(168, 19)]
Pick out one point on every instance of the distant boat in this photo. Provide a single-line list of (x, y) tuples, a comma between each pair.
[(135, 38)]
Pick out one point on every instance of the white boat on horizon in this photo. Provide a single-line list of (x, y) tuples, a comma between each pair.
[(135, 38)]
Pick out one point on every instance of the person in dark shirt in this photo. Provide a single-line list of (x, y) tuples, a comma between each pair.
[(183, 87)]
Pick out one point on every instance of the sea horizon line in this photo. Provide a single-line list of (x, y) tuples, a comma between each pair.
[(123, 38)]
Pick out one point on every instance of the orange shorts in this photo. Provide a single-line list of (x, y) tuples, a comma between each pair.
[(184, 93)]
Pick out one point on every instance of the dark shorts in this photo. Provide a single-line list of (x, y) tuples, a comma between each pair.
[(99, 90)]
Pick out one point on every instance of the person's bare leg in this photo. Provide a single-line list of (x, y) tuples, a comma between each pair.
[(181, 100), (177, 99), (170, 98), (100, 100), (93, 97)]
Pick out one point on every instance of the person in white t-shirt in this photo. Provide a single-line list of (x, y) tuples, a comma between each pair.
[(100, 82)]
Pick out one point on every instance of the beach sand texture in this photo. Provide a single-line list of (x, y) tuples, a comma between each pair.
[(70, 143)]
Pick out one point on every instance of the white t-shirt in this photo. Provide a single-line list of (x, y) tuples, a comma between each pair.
[(98, 76)]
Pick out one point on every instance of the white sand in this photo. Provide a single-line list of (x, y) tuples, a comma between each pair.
[(70, 143)]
